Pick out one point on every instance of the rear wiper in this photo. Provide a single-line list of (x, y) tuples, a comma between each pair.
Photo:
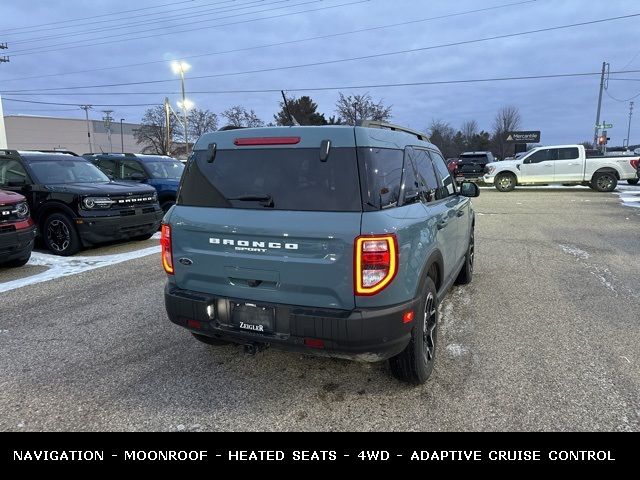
[(255, 198)]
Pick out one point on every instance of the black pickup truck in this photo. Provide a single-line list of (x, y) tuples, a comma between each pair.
[(471, 164), (74, 204)]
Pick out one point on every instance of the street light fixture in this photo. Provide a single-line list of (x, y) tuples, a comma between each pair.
[(181, 67), (185, 104)]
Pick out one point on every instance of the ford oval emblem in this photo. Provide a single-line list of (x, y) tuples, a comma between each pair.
[(186, 261)]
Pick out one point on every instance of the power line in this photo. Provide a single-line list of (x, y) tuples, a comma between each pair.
[(78, 104), (145, 22), (147, 14), (619, 99), (330, 62), (346, 87), (96, 16), (33, 51), (288, 42)]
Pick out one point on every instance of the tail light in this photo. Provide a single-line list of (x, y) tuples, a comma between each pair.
[(634, 163), (167, 251), (376, 263)]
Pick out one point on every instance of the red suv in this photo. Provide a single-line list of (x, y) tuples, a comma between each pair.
[(17, 230)]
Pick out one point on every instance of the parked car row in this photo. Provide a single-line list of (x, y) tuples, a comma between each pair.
[(71, 203)]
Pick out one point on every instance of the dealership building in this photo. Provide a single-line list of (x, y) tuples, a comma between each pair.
[(30, 132)]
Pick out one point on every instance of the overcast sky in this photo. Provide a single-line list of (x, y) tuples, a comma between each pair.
[(563, 109)]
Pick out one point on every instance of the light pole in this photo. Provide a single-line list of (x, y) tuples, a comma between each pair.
[(121, 135), (180, 68), (629, 127)]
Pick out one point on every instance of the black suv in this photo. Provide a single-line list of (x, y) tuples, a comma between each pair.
[(471, 164), (74, 204)]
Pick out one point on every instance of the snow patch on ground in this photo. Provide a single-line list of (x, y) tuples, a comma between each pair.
[(601, 273), (575, 251), (457, 350), (65, 266), (629, 195)]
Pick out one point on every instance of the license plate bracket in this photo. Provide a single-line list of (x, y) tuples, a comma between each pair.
[(252, 317)]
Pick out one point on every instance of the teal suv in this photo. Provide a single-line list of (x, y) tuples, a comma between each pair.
[(332, 240)]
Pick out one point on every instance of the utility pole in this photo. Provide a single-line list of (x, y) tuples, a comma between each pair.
[(3, 58), (86, 111), (605, 69), (629, 127), (121, 135), (167, 122), (107, 124)]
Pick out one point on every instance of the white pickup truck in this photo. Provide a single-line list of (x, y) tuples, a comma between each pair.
[(565, 164)]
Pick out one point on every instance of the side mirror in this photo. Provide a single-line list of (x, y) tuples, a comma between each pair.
[(138, 177), (469, 189)]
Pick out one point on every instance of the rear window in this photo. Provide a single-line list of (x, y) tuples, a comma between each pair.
[(478, 156), (273, 178)]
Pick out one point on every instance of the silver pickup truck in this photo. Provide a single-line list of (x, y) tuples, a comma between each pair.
[(565, 164)]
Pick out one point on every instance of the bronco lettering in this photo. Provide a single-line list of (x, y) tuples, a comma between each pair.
[(253, 246)]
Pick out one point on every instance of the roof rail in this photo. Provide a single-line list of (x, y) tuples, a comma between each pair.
[(390, 126), (229, 127), (68, 152), (9, 153)]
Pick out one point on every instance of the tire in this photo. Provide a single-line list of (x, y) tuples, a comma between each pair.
[(415, 363), (18, 262), (60, 235), (505, 182), (604, 181), (209, 340), (466, 274), (633, 181), (146, 236)]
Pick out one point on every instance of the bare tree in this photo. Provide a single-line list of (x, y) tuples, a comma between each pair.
[(354, 108), (469, 131), (152, 131), (201, 122), (239, 116), (507, 119), (443, 136)]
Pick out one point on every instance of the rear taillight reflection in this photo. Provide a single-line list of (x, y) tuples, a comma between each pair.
[(167, 253), (376, 263)]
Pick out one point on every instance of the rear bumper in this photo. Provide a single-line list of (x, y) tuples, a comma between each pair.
[(368, 335), (105, 229), (16, 244)]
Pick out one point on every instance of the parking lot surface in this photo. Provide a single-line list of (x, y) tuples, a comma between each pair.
[(546, 337)]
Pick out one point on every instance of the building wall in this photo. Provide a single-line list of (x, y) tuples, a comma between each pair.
[(26, 132)]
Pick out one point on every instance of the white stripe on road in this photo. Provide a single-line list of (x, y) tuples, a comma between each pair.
[(65, 266)]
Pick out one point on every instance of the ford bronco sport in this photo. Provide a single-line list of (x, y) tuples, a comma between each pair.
[(160, 171), (333, 240), (17, 230)]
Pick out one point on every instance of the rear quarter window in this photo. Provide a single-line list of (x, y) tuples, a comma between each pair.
[(381, 171)]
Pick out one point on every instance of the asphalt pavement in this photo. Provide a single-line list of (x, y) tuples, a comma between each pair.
[(546, 337)]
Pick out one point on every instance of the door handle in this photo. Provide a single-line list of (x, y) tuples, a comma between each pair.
[(442, 224), (548, 165), (460, 213)]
